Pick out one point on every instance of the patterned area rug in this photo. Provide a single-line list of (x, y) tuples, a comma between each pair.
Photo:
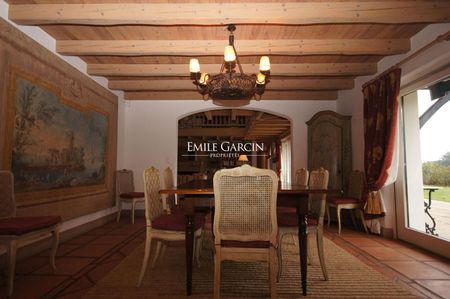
[(348, 277)]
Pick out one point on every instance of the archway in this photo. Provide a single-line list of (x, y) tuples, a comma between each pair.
[(216, 139)]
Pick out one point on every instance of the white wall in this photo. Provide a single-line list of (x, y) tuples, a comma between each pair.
[(351, 101), (151, 132)]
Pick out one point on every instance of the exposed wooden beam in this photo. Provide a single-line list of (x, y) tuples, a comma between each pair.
[(233, 114), (235, 132), (236, 13), (275, 84), (292, 69), (244, 47), (269, 95), (259, 115), (208, 115)]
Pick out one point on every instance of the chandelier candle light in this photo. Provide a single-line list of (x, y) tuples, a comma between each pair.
[(230, 84)]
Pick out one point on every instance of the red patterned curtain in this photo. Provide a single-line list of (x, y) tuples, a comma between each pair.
[(380, 127)]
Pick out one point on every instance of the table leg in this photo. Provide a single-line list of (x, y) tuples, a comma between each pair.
[(303, 248)]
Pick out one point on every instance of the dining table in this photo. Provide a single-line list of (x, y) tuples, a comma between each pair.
[(289, 194)]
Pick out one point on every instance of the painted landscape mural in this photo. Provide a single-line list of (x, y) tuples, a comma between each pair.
[(55, 145)]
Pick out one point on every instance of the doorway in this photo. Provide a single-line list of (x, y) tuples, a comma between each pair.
[(226, 138), (423, 189)]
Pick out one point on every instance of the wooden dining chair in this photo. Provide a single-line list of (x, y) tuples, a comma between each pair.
[(288, 221), (125, 192), (169, 201), (245, 225), (162, 227), (15, 231), (302, 177), (350, 201)]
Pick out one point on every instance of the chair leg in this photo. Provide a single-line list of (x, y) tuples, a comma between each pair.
[(11, 266), (361, 214), (280, 258), (148, 243), (198, 249), (338, 212), (156, 254), (319, 236), (328, 215), (310, 249), (119, 210), (133, 206), (217, 261), (272, 272), (55, 244)]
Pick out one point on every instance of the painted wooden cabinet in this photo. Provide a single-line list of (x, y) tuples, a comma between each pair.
[(330, 146)]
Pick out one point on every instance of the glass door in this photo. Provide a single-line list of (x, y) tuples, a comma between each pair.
[(423, 185)]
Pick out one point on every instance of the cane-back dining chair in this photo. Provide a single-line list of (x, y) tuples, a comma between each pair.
[(245, 225), (16, 230), (125, 192), (302, 177), (288, 221), (163, 227), (350, 201), (169, 201)]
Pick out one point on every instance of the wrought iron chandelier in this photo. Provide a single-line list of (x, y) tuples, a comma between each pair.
[(230, 84)]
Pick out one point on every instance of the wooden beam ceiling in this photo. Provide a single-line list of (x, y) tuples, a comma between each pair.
[(244, 47), (291, 13), (269, 95), (279, 69), (275, 84), (316, 47)]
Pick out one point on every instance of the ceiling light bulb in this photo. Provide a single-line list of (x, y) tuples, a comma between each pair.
[(204, 79), (229, 54), (264, 64), (194, 66), (261, 79)]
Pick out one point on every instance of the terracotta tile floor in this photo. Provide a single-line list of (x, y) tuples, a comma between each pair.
[(85, 259)]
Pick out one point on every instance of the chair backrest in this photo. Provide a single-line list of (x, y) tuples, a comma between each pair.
[(245, 204), (153, 203), (356, 184), (318, 179), (124, 181), (168, 184), (7, 200), (302, 176)]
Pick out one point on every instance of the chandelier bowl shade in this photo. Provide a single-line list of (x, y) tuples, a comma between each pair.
[(231, 86)]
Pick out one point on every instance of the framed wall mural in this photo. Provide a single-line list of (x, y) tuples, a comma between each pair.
[(57, 147)]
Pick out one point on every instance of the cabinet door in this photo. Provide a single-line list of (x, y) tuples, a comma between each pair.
[(329, 146)]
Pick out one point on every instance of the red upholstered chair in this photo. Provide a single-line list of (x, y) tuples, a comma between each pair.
[(245, 223), (125, 192), (350, 201), (163, 227), (15, 230), (288, 221)]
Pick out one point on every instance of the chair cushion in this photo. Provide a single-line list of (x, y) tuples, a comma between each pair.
[(181, 209), (131, 195), (250, 244), (22, 225), (176, 222), (341, 200), (291, 219)]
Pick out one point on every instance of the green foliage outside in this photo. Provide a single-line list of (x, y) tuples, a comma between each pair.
[(437, 173), (443, 194)]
